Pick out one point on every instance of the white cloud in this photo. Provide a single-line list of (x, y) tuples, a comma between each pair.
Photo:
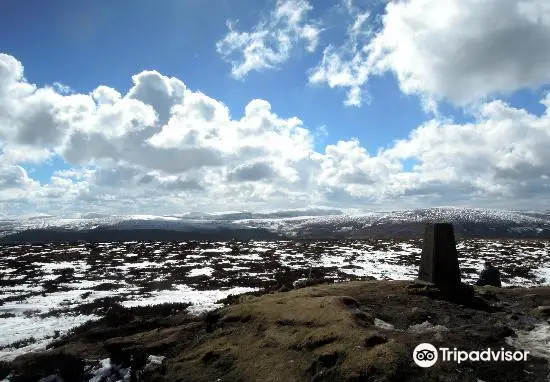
[(14, 177), (348, 167), (340, 68), (159, 143), (344, 66), (24, 154), (500, 159), (105, 95), (124, 158), (461, 51), (15, 186), (502, 154), (162, 93), (271, 41)]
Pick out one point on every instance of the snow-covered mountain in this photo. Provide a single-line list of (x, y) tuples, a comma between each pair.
[(294, 224)]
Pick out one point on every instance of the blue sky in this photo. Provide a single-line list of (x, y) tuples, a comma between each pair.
[(109, 42), (409, 70)]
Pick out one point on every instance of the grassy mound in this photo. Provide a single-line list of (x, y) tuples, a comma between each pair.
[(358, 331)]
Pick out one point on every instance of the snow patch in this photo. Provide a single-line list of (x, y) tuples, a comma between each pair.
[(536, 341), (206, 271), (201, 300)]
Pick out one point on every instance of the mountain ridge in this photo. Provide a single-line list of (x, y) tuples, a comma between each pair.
[(468, 222)]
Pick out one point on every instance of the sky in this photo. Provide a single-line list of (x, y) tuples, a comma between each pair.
[(146, 107)]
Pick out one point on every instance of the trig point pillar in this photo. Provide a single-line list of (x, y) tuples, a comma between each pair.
[(439, 262)]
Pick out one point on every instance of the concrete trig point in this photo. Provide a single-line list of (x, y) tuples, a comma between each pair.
[(439, 262)]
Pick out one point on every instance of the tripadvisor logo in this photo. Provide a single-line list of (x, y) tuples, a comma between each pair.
[(426, 355)]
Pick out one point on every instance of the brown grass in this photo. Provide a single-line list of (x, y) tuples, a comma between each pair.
[(320, 333)]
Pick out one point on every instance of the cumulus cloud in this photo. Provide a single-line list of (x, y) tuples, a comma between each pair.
[(162, 93), (502, 154), (348, 163), (271, 41), (16, 188), (105, 95), (461, 51), (14, 177), (125, 158), (499, 158), (341, 66), (160, 142)]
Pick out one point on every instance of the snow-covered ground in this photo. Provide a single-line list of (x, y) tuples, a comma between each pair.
[(48, 289)]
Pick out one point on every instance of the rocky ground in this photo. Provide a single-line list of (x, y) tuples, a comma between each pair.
[(46, 290), (356, 331)]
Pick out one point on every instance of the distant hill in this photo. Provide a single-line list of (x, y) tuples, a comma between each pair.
[(53, 235), (315, 224)]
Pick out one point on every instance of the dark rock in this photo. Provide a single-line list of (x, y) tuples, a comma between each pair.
[(211, 319), (117, 353), (328, 360), (4, 370), (210, 357), (31, 367), (350, 302), (375, 339), (490, 276), (505, 331), (324, 361)]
